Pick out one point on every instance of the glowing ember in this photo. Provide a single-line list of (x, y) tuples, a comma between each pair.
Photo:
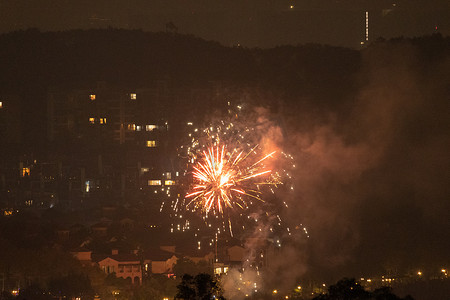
[(224, 179)]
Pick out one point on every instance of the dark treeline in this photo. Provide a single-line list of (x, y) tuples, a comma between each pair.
[(77, 57), (32, 62)]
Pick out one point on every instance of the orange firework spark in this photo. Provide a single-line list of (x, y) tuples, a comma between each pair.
[(223, 180)]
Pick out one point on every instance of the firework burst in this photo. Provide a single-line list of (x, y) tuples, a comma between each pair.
[(226, 179), (232, 169)]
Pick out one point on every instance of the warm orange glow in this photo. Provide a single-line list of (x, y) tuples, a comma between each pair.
[(154, 182), (220, 179), (151, 144), (92, 97), (150, 127), (25, 172), (92, 120)]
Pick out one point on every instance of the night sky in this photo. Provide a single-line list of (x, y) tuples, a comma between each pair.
[(251, 23)]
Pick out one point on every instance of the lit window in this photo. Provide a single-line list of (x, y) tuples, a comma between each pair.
[(169, 175), (144, 170), (87, 185), (133, 96), (1, 104), (169, 182), (92, 120), (132, 127), (150, 127), (92, 97), (102, 120), (151, 144), (25, 172), (154, 182), (138, 128)]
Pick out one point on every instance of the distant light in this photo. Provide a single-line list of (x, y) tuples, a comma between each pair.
[(419, 273), (291, 7), (275, 291)]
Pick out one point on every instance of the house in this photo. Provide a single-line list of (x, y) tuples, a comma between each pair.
[(83, 254), (127, 266), (158, 261), (127, 223), (236, 255), (100, 229)]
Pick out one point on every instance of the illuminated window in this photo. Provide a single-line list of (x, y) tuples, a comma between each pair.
[(144, 170), (133, 96), (29, 202), (169, 182), (87, 186), (138, 128), (151, 144), (25, 172), (154, 182), (132, 127), (169, 175), (102, 120), (92, 97), (92, 120), (1, 104), (150, 127)]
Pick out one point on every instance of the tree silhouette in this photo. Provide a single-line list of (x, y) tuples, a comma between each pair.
[(201, 287), (349, 288)]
